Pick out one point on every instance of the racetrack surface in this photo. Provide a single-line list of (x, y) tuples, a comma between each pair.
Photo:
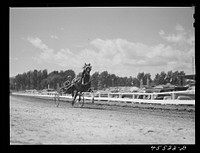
[(38, 121)]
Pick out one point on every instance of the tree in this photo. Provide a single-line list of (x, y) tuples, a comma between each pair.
[(140, 76), (95, 79), (175, 79), (12, 83), (135, 82), (147, 79), (34, 79), (18, 81), (55, 79), (103, 79), (112, 80), (68, 75), (157, 79), (28, 74), (130, 81), (41, 79), (44, 83), (169, 77), (163, 77), (44, 74)]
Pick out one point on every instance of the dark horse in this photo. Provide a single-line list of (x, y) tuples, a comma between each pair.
[(82, 84), (79, 85)]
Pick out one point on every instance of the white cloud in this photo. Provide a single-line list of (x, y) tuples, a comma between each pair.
[(161, 32), (180, 37), (47, 53), (121, 53), (135, 54), (190, 40), (37, 43), (117, 56), (181, 49), (54, 37), (180, 28)]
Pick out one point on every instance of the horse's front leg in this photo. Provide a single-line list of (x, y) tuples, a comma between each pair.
[(79, 99)]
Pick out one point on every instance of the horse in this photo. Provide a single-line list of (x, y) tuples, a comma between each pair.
[(77, 86), (82, 84)]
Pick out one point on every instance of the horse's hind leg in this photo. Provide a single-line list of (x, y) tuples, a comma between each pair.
[(79, 99)]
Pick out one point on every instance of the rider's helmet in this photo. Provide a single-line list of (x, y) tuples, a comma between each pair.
[(66, 83)]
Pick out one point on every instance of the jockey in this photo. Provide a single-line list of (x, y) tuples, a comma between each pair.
[(66, 83)]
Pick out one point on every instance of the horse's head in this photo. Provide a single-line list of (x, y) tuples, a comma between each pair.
[(87, 68)]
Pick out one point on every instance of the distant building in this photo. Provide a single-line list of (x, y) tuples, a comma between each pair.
[(123, 89), (183, 78)]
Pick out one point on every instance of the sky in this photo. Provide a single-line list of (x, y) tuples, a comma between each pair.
[(121, 40)]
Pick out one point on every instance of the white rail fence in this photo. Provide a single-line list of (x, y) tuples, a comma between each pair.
[(176, 97)]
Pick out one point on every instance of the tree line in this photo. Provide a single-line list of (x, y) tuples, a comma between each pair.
[(41, 79)]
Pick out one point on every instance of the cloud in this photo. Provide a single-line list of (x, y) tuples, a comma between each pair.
[(64, 57), (37, 43), (180, 28), (181, 47), (47, 53), (54, 37), (180, 37), (161, 32), (118, 56), (136, 54), (128, 56)]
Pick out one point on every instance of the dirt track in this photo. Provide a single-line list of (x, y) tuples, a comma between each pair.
[(37, 121)]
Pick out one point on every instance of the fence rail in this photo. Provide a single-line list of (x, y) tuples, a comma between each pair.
[(175, 97)]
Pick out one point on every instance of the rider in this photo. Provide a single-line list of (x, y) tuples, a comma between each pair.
[(66, 83)]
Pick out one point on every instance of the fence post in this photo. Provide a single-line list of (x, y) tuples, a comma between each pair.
[(152, 96), (173, 96), (92, 94), (108, 97)]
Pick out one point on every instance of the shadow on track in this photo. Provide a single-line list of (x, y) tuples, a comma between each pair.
[(87, 107)]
